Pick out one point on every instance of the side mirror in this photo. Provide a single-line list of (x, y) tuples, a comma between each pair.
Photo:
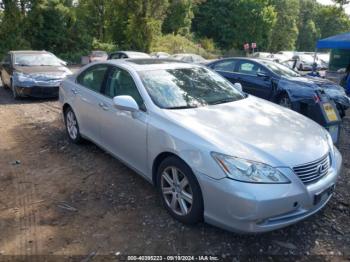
[(125, 103), (238, 86)]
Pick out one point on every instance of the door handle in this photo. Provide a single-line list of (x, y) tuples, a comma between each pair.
[(74, 91), (103, 106)]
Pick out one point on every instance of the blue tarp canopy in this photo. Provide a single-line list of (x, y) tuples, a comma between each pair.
[(341, 41)]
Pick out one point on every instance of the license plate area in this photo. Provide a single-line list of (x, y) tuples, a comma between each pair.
[(330, 112), (319, 196)]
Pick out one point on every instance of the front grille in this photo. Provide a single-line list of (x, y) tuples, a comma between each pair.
[(313, 171)]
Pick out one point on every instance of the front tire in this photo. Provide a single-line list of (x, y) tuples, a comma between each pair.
[(284, 101), (179, 191), (72, 126)]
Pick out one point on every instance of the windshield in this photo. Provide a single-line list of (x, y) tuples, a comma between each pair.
[(188, 88), (36, 60), (279, 69)]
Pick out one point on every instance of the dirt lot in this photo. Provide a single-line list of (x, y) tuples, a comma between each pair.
[(57, 198)]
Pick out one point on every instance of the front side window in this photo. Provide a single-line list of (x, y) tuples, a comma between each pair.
[(92, 78), (120, 82), (188, 87), (250, 68)]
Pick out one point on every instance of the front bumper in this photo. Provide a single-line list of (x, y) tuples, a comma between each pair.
[(38, 91), (254, 208)]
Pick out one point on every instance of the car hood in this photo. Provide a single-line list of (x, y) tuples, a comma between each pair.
[(44, 71), (255, 129), (334, 91)]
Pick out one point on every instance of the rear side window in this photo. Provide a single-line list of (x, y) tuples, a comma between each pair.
[(93, 77), (226, 66)]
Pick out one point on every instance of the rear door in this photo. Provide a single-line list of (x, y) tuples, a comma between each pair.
[(226, 69), (255, 79), (88, 100)]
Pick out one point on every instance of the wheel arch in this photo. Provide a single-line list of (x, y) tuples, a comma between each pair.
[(158, 160)]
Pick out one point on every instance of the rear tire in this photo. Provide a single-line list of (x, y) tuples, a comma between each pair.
[(72, 126), (179, 191)]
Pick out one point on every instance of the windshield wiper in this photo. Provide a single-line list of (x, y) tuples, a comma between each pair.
[(181, 107), (221, 101), (22, 65)]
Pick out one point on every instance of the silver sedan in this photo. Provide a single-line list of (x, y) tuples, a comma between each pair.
[(213, 152)]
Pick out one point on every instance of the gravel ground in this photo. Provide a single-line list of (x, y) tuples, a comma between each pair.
[(61, 199)]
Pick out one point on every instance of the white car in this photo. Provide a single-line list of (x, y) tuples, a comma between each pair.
[(189, 58), (213, 152)]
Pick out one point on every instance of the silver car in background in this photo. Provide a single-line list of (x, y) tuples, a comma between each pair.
[(213, 152)]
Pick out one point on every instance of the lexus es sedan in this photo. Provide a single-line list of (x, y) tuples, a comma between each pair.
[(213, 152), (278, 83), (33, 73)]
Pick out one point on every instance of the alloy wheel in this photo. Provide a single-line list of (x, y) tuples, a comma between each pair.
[(176, 191), (72, 125)]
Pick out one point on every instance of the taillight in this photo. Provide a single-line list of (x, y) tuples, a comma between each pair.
[(317, 99)]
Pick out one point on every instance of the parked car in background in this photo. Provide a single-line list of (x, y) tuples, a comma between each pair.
[(201, 142), (305, 62), (323, 58), (281, 56), (160, 55), (127, 54), (33, 73), (189, 58), (280, 84), (96, 56), (262, 55)]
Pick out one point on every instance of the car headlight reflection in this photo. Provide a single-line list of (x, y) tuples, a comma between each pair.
[(249, 171), (24, 77)]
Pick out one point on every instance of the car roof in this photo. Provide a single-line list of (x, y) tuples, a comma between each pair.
[(242, 58), (129, 52), (29, 52), (144, 64)]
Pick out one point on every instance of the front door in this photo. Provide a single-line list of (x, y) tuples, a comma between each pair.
[(254, 78), (125, 133)]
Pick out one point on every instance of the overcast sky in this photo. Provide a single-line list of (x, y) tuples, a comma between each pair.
[(329, 2)]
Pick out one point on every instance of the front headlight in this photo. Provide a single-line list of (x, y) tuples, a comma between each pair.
[(330, 143), (249, 171), (24, 77)]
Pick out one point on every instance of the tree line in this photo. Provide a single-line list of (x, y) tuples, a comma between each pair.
[(72, 28)]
